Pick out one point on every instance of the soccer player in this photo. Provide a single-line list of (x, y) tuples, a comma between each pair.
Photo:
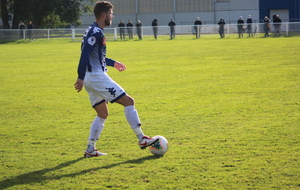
[(92, 74)]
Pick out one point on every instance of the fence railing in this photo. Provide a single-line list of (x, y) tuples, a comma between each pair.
[(75, 34)]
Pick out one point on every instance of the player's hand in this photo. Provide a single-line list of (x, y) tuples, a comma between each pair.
[(120, 66), (78, 85)]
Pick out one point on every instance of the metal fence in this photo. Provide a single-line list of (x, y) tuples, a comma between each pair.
[(75, 34)]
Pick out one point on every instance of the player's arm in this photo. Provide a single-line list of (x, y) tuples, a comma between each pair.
[(87, 48), (120, 66), (78, 84), (116, 64), (84, 59), (83, 62)]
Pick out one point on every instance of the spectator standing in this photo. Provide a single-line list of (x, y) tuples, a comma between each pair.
[(240, 25), (249, 26), (277, 24), (139, 29), (30, 34), (172, 25), (122, 30), (129, 26), (155, 28), (221, 24), (197, 27), (267, 26), (22, 28)]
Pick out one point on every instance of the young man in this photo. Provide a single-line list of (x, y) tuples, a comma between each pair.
[(122, 29), (172, 25), (92, 74), (139, 29), (240, 26), (129, 26), (155, 28), (30, 27), (249, 26), (277, 24), (197, 27), (222, 23), (267, 26)]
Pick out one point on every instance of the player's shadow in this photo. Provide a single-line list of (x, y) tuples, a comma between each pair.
[(39, 175)]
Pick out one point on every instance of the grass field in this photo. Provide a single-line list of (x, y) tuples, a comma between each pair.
[(230, 109)]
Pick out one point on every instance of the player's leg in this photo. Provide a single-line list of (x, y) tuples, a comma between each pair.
[(111, 91), (131, 115), (99, 104), (96, 130), (133, 119)]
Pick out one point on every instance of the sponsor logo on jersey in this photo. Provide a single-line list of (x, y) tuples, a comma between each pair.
[(91, 40)]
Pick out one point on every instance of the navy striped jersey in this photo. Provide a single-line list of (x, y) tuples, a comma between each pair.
[(93, 51)]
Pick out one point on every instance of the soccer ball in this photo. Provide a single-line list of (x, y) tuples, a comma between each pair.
[(160, 147)]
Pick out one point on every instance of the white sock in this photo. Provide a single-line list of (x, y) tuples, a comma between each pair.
[(133, 119), (95, 132)]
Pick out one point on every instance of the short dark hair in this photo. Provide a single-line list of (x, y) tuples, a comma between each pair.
[(102, 7)]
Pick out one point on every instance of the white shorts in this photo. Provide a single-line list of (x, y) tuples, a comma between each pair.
[(101, 88)]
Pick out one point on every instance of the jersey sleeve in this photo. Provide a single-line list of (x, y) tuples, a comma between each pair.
[(110, 62), (87, 47)]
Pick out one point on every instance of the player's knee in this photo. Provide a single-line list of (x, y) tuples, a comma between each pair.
[(126, 101), (130, 101), (103, 115)]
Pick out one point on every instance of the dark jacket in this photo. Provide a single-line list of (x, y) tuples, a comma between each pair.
[(121, 25), (240, 23), (30, 26), (198, 22), (249, 21), (129, 25), (221, 23), (154, 22), (172, 23), (277, 21)]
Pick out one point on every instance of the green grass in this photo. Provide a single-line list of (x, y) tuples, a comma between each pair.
[(229, 107)]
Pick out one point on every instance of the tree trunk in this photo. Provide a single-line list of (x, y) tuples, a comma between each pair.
[(4, 14)]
